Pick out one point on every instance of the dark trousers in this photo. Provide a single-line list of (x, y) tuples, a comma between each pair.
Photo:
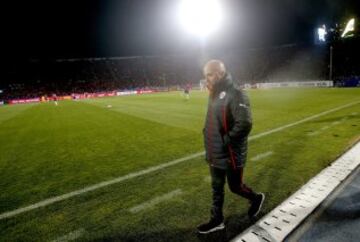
[(236, 185)]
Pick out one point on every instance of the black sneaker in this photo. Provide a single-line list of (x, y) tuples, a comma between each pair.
[(256, 205), (212, 226)]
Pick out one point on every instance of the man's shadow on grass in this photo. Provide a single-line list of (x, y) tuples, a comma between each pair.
[(234, 225)]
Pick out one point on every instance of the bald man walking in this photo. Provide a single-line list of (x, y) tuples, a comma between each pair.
[(227, 126)]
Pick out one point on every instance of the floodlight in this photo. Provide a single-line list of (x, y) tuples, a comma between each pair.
[(322, 33), (200, 17), (350, 26)]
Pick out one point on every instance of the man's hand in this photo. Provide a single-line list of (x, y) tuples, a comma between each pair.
[(226, 139)]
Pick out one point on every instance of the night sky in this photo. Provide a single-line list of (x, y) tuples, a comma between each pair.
[(77, 28)]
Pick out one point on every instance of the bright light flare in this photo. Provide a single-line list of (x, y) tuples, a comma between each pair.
[(200, 17), (322, 33), (350, 26)]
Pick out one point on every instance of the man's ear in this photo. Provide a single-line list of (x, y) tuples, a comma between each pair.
[(220, 75), (223, 73)]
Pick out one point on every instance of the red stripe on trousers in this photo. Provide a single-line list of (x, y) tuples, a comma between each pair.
[(242, 185)]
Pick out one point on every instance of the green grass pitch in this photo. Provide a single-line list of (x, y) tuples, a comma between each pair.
[(48, 150)]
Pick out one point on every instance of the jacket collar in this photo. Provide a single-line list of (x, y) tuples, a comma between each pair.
[(223, 84)]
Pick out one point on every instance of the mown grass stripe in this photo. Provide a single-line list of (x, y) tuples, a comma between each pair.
[(52, 200), (303, 120), (96, 186)]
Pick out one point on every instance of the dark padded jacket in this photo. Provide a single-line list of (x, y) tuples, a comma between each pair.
[(227, 126)]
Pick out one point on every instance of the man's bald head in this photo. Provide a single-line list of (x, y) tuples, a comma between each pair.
[(214, 71), (214, 66)]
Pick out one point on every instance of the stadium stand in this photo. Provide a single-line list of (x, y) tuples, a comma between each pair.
[(36, 78)]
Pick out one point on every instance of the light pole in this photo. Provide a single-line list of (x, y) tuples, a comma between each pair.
[(331, 64)]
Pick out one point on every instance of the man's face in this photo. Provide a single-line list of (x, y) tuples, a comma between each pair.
[(212, 77)]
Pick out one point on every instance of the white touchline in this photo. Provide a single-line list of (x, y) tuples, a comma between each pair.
[(70, 236), (261, 156), (59, 198), (155, 201), (96, 186)]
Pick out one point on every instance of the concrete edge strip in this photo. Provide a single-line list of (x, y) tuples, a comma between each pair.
[(59, 198), (310, 220), (282, 220)]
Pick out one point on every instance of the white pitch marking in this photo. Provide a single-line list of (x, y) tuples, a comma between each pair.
[(338, 122), (343, 119), (325, 127), (318, 131), (155, 201), (96, 186), (261, 156), (70, 236), (313, 133), (59, 198), (207, 179)]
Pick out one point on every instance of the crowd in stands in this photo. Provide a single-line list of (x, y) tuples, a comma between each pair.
[(38, 78), (65, 77)]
